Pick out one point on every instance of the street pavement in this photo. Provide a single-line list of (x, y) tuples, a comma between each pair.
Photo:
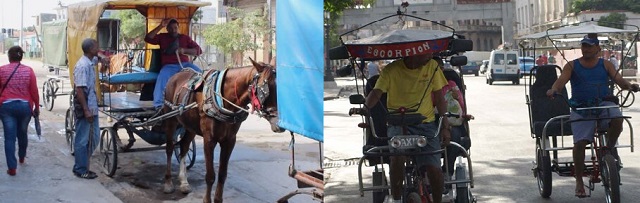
[(257, 171), (502, 149)]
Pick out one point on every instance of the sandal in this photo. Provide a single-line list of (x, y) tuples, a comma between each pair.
[(87, 175)]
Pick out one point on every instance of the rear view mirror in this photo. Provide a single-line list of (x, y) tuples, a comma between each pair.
[(460, 45), (458, 60), (345, 71), (356, 99)]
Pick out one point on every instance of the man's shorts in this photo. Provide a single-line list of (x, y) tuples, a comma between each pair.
[(433, 141), (584, 130)]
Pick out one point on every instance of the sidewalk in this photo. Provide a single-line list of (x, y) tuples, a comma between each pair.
[(46, 175), (341, 87)]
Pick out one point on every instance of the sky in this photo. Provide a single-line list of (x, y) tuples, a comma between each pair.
[(10, 10)]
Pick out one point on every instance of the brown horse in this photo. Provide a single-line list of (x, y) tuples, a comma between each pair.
[(240, 86)]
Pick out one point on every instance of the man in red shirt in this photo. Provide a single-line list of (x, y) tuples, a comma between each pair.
[(175, 48)]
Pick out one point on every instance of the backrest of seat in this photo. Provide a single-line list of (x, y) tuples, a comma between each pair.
[(542, 107), (156, 62)]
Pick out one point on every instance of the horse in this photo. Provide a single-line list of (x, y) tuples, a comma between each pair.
[(240, 86)]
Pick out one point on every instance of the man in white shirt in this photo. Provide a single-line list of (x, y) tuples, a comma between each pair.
[(373, 69), (613, 60)]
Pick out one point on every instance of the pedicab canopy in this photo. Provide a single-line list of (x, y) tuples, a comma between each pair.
[(577, 31), (399, 43), (300, 67), (83, 19)]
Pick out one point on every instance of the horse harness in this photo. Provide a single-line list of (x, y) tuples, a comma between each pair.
[(210, 83)]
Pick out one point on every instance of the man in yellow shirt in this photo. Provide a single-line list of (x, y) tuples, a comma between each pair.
[(410, 83)]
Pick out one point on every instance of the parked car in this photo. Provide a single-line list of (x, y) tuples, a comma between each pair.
[(526, 64), (484, 66), (472, 67), (503, 66)]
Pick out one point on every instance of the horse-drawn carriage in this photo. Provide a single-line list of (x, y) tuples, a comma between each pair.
[(212, 104), (550, 119), (130, 110), (379, 147)]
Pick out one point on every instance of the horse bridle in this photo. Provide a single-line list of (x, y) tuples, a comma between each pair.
[(260, 92)]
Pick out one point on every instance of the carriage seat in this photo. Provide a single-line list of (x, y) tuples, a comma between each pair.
[(139, 75), (543, 108)]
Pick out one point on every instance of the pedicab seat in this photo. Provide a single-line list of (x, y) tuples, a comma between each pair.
[(544, 108)]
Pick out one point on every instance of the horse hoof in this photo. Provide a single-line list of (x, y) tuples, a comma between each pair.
[(185, 189), (168, 189)]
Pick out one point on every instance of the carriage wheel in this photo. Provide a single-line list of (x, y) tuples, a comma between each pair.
[(108, 151), (191, 154), (70, 128), (48, 95), (610, 178), (543, 172), (463, 193)]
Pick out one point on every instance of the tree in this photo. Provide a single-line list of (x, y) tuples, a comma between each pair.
[(197, 16), (334, 9), (601, 5), (132, 28), (238, 35), (614, 20)]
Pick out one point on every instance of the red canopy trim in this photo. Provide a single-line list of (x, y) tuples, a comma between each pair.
[(397, 50)]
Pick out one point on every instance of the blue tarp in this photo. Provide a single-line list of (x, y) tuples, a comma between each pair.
[(299, 62)]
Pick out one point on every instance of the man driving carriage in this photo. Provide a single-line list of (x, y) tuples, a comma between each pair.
[(404, 81), (174, 47), (589, 76)]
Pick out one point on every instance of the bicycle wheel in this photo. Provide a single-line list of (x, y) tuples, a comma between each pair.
[(610, 178), (626, 101), (462, 189), (543, 172)]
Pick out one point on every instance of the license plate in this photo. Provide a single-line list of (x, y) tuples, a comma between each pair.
[(406, 141), (498, 70)]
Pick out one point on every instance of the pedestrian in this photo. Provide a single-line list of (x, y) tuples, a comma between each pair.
[(373, 69), (540, 61), (589, 76), (614, 61), (18, 102), (86, 106)]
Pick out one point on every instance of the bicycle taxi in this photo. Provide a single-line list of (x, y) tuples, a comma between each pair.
[(549, 118), (378, 146)]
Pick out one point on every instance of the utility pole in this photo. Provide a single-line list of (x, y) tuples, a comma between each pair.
[(21, 22)]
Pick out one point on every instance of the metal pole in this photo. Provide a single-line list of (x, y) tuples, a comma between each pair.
[(21, 22)]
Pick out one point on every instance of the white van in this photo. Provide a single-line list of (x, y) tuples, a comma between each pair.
[(503, 66)]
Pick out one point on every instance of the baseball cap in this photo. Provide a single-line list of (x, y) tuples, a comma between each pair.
[(15, 51), (590, 41)]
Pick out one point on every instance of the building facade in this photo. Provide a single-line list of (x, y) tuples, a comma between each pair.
[(488, 23)]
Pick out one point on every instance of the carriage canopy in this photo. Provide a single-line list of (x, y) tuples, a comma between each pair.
[(83, 19)]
